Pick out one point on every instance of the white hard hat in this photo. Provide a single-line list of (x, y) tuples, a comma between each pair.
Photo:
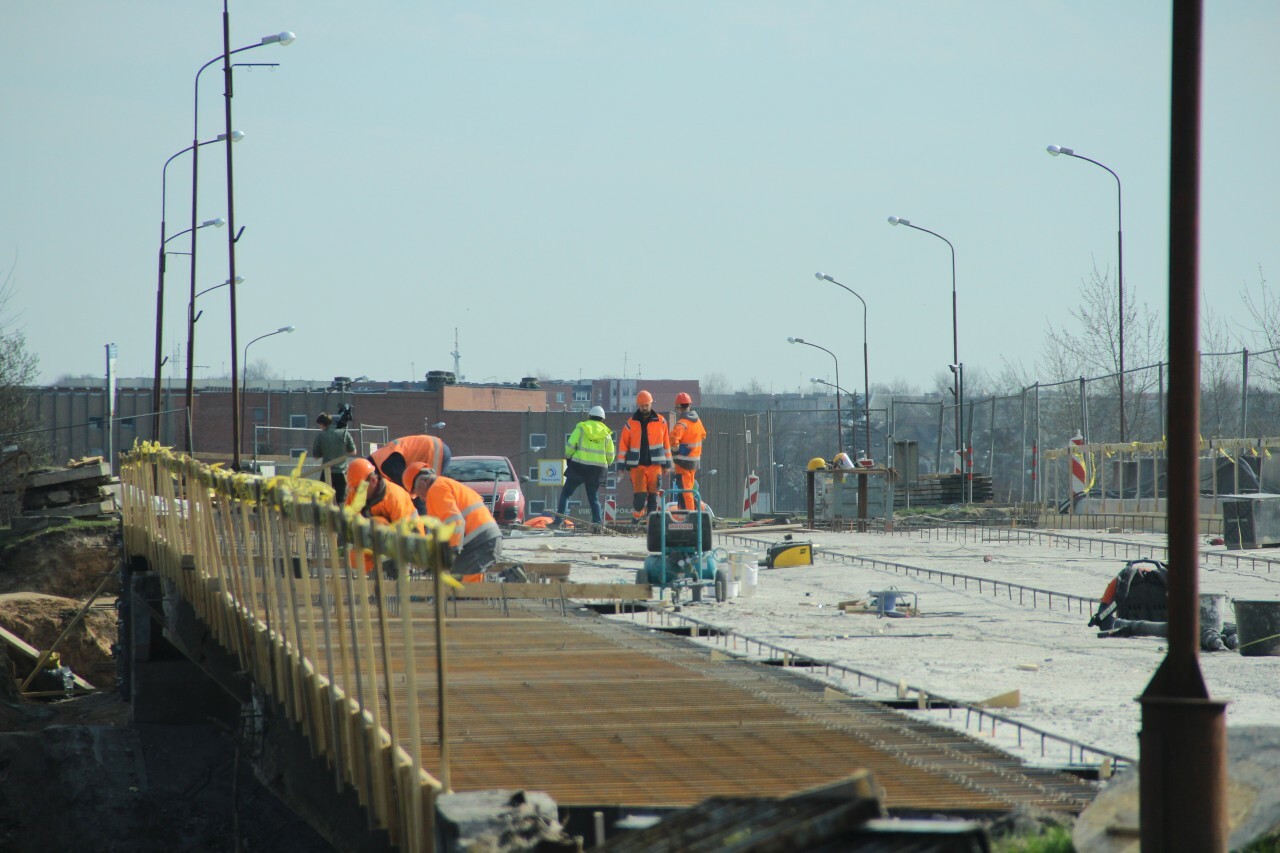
[(596, 412)]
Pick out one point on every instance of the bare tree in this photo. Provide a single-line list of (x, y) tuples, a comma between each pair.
[(1090, 348), (21, 448), (1264, 310)]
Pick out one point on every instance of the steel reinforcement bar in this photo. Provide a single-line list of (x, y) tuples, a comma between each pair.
[(981, 718)]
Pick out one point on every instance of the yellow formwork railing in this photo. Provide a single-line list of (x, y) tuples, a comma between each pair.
[(265, 563)]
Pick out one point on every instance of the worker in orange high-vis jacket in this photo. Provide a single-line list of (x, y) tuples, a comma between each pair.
[(384, 503), (395, 457), (686, 448), (644, 450), (476, 540)]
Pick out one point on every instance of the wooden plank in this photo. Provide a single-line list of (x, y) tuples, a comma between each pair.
[(74, 511), (68, 475), (551, 591), (559, 571), (34, 653)]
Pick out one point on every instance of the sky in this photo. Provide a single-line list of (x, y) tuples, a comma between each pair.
[(585, 189)]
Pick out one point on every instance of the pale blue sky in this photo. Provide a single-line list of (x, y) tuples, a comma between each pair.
[(591, 187)]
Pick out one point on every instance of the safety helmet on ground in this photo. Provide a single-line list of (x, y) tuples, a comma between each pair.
[(596, 412), (817, 463), (683, 399), (357, 472), (643, 398)]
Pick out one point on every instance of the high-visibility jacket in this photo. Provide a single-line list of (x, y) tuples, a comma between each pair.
[(398, 454), (686, 439), (590, 443), (455, 503), (645, 440), (394, 505)]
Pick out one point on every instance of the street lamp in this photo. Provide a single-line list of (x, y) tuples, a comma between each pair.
[(164, 186), (866, 364), (958, 382), (1054, 151), (283, 38), (839, 417), (281, 330)]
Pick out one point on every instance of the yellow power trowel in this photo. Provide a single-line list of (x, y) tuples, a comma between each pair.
[(788, 553)]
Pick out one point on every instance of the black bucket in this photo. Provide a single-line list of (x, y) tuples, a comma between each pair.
[(1259, 625)]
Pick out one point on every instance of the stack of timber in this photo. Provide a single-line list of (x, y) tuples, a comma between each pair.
[(943, 490), (83, 488)]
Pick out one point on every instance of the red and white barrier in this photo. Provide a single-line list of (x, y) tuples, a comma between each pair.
[(610, 510), (1079, 476), (750, 494)]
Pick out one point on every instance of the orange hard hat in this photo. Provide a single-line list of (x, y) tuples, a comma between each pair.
[(357, 472), (644, 397), (683, 399), (411, 474)]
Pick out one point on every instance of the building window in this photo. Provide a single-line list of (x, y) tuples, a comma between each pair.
[(537, 507), (96, 423), (559, 396), (298, 421), (259, 414), (537, 440), (533, 474)]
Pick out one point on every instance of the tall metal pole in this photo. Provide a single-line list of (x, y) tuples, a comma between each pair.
[(1182, 764), (866, 361), (958, 380), (1055, 150), (839, 416), (231, 235)]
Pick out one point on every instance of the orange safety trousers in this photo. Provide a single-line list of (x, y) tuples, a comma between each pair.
[(644, 482), (683, 478)]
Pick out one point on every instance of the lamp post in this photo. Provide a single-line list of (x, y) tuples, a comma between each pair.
[(283, 38), (164, 187), (278, 331), (839, 425), (866, 362), (957, 382), (1054, 151)]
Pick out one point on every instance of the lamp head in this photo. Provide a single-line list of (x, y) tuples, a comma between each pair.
[(898, 220), (1055, 150), (239, 280), (795, 340), (236, 136), (216, 222), (438, 425), (285, 329), (283, 39)]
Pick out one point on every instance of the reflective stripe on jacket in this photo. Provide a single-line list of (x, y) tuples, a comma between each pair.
[(686, 439), (645, 437), (452, 502), (411, 448), (590, 443)]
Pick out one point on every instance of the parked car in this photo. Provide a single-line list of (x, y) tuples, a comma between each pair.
[(496, 480)]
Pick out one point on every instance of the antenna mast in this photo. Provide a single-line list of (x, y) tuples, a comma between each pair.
[(457, 356)]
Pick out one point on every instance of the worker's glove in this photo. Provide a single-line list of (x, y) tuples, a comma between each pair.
[(620, 467), (683, 450)]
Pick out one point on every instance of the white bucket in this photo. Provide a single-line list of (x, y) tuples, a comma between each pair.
[(751, 578), (734, 588)]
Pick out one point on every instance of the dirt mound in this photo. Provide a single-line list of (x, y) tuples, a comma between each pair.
[(68, 561), (40, 620)]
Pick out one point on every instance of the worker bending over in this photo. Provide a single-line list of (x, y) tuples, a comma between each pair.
[(686, 446), (384, 503), (395, 457), (476, 540), (645, 450)]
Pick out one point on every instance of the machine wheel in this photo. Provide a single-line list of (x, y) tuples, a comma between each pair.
[(722, 585)]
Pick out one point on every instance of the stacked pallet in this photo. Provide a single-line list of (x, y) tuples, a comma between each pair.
[(83, 489), (943, 490)]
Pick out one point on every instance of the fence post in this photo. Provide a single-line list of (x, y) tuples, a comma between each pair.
[(1244, 394)]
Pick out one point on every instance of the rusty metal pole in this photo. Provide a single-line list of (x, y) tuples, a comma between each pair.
[(1182, 765)]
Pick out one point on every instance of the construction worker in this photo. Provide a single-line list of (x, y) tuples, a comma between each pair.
[(588, 452), (384, 503), (333, 444), (686, 446), (644, 450), (476, 540), (394, 457)]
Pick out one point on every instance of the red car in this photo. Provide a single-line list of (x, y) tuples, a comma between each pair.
[(496, 480)]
